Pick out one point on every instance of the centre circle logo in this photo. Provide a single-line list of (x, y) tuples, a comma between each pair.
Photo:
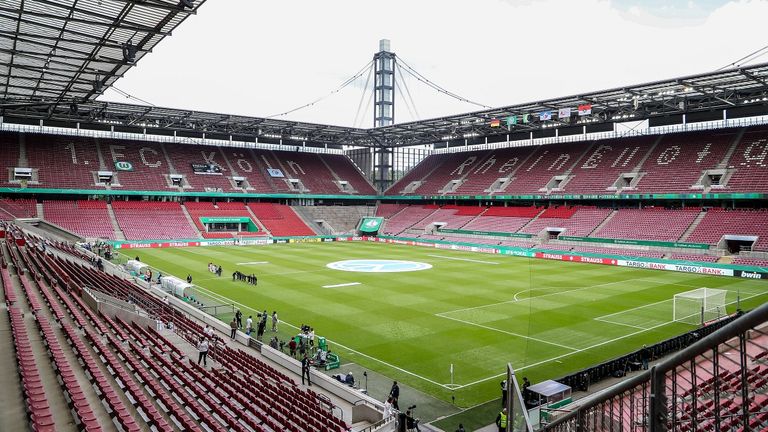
[(378, 266)]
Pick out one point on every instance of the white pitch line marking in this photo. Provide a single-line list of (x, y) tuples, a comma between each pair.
[(583, 349), (515, 299), (619, 323), (464, 259), (457, 386), (390, 365), (252, 262), (509, 333), (634, 308), (341, 285)]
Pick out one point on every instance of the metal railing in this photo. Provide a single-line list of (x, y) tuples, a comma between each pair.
[(719, 383)]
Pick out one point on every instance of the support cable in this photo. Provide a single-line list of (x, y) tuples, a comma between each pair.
[(338, 89), (411, 71), (407, 92), (362, 96), (743, 60)]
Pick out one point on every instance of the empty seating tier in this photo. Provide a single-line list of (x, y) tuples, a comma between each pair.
[(86, 218), (653, 223), (280, 220), (718, 223), (149, 220)]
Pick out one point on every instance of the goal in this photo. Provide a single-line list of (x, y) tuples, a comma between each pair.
[(699, 306)]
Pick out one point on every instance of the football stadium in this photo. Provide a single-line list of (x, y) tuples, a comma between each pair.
[(588, 262)]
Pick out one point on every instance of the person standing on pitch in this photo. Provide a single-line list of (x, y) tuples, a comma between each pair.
[(274, 321), (305, 370), (239, 318)]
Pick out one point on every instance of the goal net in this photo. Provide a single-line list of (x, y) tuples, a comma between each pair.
[(699, 306)]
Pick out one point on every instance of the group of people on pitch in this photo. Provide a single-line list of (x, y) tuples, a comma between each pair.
[(251, 279)]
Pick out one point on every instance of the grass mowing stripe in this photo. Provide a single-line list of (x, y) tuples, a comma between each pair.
[(388, 323)]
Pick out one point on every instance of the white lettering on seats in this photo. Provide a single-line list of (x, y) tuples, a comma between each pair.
[(460, 169), (563, 158), (293, 165), (703, 153), (144, 160), (668, 155), (621, 156), (596, 157), (758, 158), (544, 153), (243, 164), (508, 165), (115, 155), (210, 159), (266, 161), (487, 165), (71, 148)]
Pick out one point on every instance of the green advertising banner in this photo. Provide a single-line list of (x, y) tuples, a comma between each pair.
[(252, 227), (236, 219), (370, 224), (636, 242), (486, 233)]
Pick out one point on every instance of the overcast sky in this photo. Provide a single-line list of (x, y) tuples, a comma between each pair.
[(265, 57)]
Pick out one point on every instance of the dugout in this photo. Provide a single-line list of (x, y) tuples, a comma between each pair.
[(549, 395), (175, 286), (136, 268)]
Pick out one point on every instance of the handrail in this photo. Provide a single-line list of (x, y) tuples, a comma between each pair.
[(379, 424), (656, 375)]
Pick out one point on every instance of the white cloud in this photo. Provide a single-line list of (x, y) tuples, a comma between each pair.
[(265, 57)]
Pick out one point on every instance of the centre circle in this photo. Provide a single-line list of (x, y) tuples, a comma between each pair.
[(378, 266)]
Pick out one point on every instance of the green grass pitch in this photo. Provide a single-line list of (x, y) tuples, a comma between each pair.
[(475, 311)]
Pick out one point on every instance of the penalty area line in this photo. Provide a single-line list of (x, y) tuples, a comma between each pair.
[(508, 332), (342, 285), (597, 345), (252, 263), (464, 259)]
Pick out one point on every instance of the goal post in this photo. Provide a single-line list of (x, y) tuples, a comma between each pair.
[(699, 306)]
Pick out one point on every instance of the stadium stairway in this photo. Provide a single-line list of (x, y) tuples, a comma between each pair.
[(48, 383), (603, 223), (258, 222), (692, 226), (119, 235), (731, 149), (306, 217), (191, 221), (726, 259), (39, 208), (12, 405), (530, 222), (318, 224)]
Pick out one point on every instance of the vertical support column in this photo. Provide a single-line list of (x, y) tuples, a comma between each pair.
[(384, 85), (658, 412), (382, 168), (384, 63)]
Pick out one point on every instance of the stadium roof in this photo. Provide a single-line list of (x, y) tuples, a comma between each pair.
[(743, 92), (72, 50)]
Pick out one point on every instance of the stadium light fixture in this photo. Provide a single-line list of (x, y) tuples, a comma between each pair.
[(129, 52), (189, 4)]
